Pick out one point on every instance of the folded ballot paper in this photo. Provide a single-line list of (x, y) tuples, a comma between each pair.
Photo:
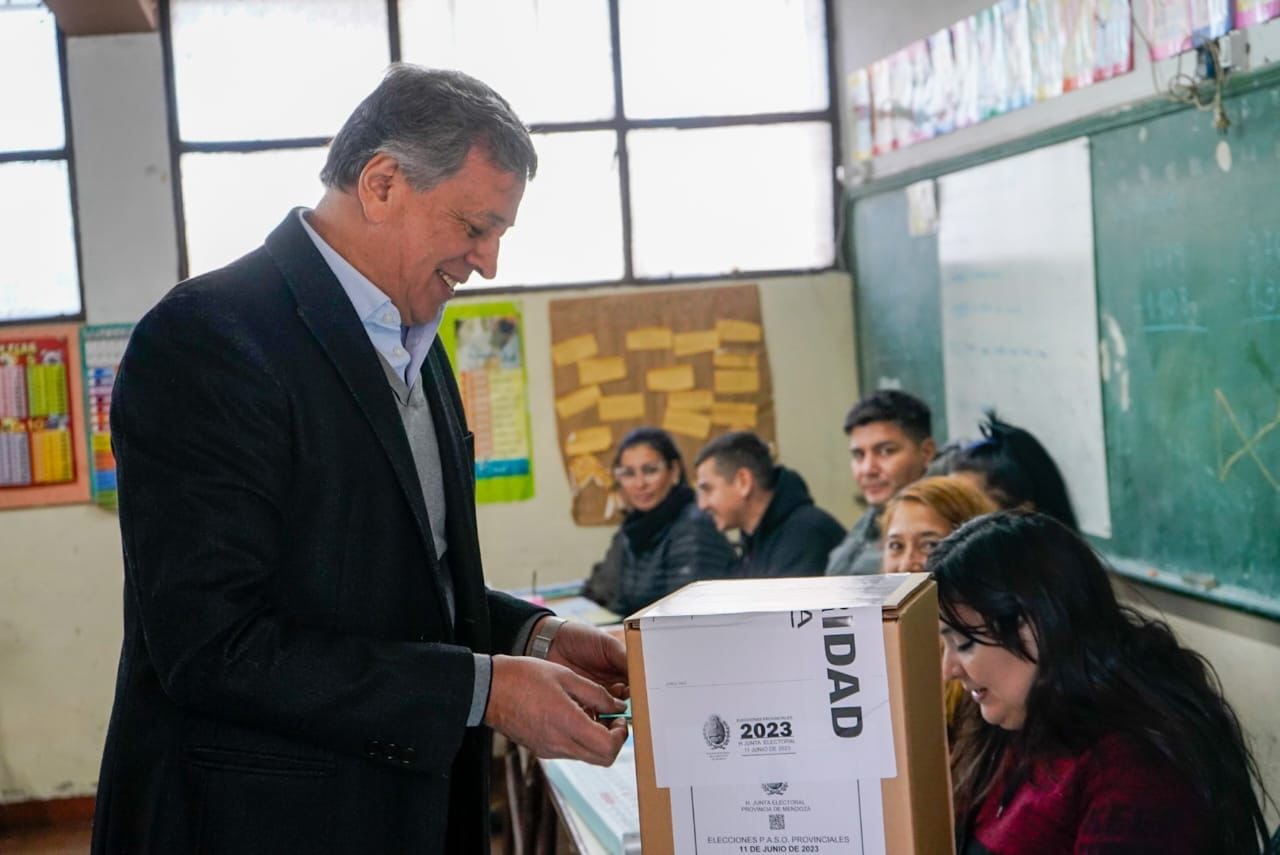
[(605, 798)]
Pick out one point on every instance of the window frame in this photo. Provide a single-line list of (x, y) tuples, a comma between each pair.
[(67, 155), (618, 124)]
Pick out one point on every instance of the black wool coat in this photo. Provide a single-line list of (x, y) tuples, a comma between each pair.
[(291, 678)]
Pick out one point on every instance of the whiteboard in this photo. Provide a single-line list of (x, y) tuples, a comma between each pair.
[(1019, 311)]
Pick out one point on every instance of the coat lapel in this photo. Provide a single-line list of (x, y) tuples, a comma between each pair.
[(327, 313), (458, 469)]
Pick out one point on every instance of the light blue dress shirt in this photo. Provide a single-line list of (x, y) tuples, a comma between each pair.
[(405, 349)]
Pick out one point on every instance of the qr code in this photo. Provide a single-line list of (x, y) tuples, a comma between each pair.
[(777, 822)]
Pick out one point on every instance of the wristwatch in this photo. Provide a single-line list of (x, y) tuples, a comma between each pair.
[(540, 644)]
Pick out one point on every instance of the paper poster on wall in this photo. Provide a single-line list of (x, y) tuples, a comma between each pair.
[(1250, 12), (964, 46), (1113, 38), (101, 348), (1209, 19), (858, 87), (1019, 311), (691, 361), (41, 435), (901, 95), (1017, 53), (944, 85), (1079, 40), (881, 108), (993, 70), (1168, 27), (1044, 25), (485, 342)]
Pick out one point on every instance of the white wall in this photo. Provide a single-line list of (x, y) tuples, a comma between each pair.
[(60, 568), (1244, 650)]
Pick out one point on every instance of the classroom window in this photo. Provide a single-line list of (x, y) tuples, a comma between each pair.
[(40, 279), (676, 138)]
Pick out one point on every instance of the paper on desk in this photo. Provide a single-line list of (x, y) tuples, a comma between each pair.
[(760, 697), (823, 817), (605, 797)]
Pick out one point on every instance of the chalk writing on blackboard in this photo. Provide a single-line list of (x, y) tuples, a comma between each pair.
[(1250, 444)]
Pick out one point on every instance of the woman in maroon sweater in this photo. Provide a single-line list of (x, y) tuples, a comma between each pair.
[(1093, 730)]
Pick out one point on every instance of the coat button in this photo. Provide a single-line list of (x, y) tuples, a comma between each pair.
[(372, 748)]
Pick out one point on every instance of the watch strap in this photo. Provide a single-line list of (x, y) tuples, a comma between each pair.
[(540, 644)]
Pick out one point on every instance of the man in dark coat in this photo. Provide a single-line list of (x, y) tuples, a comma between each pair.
[(783, 532), (890, 445), (311, 660)]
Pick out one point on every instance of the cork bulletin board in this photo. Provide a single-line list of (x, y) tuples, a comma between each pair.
[(693, 362)]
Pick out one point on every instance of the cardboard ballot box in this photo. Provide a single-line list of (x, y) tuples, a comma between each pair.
[(791, 715)]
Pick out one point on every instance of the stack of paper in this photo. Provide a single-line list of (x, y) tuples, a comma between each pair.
[(604, 797)]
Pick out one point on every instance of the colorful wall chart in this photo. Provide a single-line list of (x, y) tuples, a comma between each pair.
[(485, 341), (40, 432), (101, 348), (1002, 58)]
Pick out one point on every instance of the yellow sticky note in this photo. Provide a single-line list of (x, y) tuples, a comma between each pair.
[(601, 370), (736, 359), (694, 399), (698, 341), (588, 440), (744, 331), (573, 349), (737, 382), (586, 469), (649, 338), (614, 408), (677, 378), (696, 425), (577, 402), (734, 414)]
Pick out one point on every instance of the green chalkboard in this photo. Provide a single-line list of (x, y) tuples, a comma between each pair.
[(1187, 237), (899, 316), (1187, 243)]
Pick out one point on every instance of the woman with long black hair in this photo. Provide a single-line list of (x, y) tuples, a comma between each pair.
[(1093, 729), (1015, 471)]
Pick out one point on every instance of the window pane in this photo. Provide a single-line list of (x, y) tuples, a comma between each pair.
[(274, 69), (232, 201), (38, 278), (755, 197), (551, 60), (30, 81), (721, 57), (569, 228)]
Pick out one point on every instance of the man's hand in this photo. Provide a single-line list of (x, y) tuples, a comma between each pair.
[(551, 710), (593, 653)]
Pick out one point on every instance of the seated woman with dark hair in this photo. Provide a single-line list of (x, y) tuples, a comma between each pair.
[(664, 541), (1014, 470), (1093, 729)]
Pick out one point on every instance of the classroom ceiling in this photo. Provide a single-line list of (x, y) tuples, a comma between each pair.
[(104, 17)]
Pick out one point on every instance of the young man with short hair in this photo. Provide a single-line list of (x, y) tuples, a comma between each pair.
[(890, 444), (783, 532)]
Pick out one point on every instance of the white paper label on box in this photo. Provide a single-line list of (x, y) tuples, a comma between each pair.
[(780, 696), (820, 817)]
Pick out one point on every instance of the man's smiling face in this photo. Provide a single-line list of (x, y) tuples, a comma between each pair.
[(435, 239)]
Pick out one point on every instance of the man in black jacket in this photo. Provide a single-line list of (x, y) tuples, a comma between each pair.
[(312, 662), (783, 532)]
